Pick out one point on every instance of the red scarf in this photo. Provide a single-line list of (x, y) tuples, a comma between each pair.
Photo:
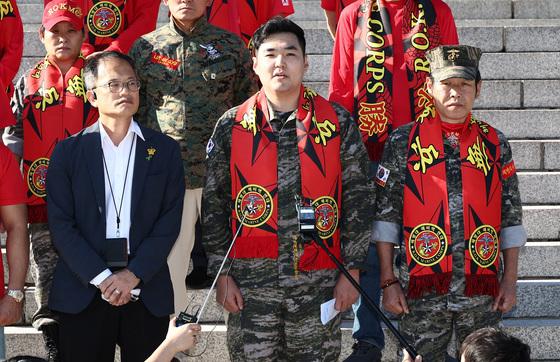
[(55, 107), (427, 229), (374, 47), (254, 178)]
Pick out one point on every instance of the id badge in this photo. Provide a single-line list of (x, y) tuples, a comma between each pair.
[(116, 254)]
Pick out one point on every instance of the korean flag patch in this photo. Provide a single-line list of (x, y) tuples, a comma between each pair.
[(381, 176), (209, 147)]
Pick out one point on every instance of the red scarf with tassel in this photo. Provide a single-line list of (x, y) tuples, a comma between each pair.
[(427, 229), (374, 49), (55, 108), (254, 169)]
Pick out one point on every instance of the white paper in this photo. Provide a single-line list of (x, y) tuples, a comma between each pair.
[(327, 311)]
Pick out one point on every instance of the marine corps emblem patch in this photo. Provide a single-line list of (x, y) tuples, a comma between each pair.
[(37, 176), (104, 19), (256, 201), (326, 215), (427, 244), (483, 246)]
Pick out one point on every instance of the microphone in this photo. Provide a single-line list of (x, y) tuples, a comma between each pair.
[(184, 317)]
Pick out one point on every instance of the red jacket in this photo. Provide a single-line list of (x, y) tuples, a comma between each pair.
[(116, 24), (336, 5), (11, 41), (243, 17), (11, 48)]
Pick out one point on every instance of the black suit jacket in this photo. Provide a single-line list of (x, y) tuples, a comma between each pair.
[(77, 218)]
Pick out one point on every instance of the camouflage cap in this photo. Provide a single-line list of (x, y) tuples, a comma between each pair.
[(454, 61)]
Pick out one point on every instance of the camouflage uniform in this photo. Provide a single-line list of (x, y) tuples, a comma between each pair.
[(290, 319), (433, 317), (188, 81)]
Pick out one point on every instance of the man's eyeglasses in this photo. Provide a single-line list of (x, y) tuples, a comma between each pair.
[(115, 86)]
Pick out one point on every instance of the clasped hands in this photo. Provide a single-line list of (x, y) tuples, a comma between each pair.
[(117, 287), (229, 295)]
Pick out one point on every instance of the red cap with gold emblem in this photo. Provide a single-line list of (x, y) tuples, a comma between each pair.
[(63, 10)]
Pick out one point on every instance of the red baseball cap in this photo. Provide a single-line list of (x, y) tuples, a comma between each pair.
[(63, 10)]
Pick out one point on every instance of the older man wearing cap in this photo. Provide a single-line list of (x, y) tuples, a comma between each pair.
[(50, 104), (448, 183)]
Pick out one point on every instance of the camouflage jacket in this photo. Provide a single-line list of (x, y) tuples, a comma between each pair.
[(355, 220), (389, 214), (188, 81)]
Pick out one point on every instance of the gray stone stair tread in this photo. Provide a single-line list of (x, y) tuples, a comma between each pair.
[(542, 336), (536, 9), (538, 260), (539, 187), (542, 222), (537, 299), (524, 123)]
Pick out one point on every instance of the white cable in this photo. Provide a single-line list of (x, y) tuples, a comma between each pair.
[(199, 313)]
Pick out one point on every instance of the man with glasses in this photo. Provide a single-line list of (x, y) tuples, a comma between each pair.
[(115, 195), (50, 104)]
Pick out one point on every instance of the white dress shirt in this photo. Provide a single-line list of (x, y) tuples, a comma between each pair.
[(117, 159)]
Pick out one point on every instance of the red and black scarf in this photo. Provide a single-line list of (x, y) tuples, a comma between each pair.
[(55, 107), (375, 76), (254, 178), (427, 229)]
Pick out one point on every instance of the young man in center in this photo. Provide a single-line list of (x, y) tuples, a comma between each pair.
[(283, 147)]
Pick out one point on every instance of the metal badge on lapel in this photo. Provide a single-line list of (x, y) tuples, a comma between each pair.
[(151, 152)]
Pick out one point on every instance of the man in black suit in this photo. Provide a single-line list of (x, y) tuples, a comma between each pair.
[(115, 195)]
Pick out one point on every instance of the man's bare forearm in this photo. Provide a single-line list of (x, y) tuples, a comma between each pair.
[(15, 222), (511, 258), (385, 252)]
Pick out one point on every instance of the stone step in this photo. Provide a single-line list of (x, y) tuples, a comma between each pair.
[(493, 66), (542, 222), (535, 154), (541, 335), (512, 35), (539, 260), (539, 187), (463, 9), (524, 124)]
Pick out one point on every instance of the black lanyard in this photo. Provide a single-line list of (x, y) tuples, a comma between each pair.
[(118, 211)]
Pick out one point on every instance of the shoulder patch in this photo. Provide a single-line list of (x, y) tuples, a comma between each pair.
[(209, 147), (508, 170), (382, 175)]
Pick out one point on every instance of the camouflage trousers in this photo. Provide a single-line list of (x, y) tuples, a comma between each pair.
[(43, 262), (430, 328), (283, 324)]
